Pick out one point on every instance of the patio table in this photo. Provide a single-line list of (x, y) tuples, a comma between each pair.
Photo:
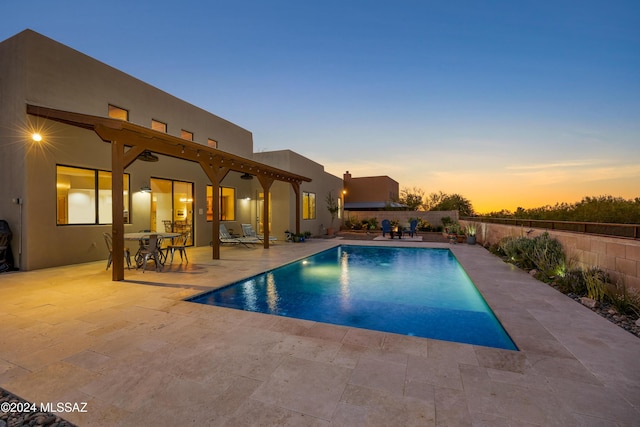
[(142, 236)]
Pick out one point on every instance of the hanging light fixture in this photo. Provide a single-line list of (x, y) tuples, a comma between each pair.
[(246, 176), (148, 156)]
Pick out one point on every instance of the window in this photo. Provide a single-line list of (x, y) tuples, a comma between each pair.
[(212, 143), (159, 126), (308, 205), (226, 203), (118, 113), (185, 134), (84, 196)]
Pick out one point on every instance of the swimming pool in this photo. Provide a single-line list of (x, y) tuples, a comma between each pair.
[(421, 292)]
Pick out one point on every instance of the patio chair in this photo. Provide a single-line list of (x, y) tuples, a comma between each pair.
[(180, 246), (248, 231), (127, 254), (412, 228), (150, 252), (386, 227), (226, 237)]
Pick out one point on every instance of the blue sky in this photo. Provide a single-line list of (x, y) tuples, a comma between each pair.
[(509, 103)]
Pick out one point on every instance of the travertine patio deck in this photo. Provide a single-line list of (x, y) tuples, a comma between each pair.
[(139, 355)]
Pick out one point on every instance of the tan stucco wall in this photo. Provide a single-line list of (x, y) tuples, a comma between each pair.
[(12, 147), (619, 257), (370, 189), (321, 184)]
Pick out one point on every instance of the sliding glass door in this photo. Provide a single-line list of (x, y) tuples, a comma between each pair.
[(172, 206)]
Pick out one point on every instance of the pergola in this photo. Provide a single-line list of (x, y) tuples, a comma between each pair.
[(215, 163)]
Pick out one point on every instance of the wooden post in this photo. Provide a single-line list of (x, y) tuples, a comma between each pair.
[(266, 182), (296, 189), (117, 209), (216, 174)]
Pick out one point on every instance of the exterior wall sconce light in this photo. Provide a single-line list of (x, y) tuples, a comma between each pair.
[(145, 189), (36, 137)]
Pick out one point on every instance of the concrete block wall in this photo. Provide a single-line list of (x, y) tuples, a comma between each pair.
[(619, 257), (433, 217)]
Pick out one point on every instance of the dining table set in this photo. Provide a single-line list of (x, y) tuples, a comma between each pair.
[(150, 247)]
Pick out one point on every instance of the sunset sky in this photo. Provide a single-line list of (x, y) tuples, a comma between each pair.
[(509, 103)]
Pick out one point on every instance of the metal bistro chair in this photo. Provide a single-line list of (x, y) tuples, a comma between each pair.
[(109, 242), (180, 246), (150, 251)]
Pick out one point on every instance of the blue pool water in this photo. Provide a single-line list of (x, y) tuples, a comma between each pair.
[(411, 291)]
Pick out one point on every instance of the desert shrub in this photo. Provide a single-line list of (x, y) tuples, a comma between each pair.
[(518, 250), (350, 222), (596, 281), (372, 223), (626, 301), (423, 225), (546, 254), (572, 281), (496, 249)]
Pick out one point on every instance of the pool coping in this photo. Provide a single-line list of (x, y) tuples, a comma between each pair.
[(391, 244)]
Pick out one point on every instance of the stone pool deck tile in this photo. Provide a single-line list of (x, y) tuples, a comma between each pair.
[(140, 355)]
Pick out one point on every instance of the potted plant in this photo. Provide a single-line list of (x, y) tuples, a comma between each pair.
[(454, 232), (471, 229), (333, 208)]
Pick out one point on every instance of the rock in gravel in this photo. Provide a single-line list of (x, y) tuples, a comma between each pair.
[(588, 302)]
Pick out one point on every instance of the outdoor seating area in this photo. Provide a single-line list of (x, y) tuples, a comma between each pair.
[(226, 237), (249, 232), (395, 229), (150, 248), (139, 343)]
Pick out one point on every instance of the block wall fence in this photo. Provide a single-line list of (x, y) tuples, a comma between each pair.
[(617, 256), (432, 217)]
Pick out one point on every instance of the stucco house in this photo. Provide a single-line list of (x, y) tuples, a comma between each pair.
[(370, 193), (87, 149)]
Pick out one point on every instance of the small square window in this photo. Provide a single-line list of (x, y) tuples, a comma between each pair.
[(118, 113), (212, 143), (159, 126), (185, 134)]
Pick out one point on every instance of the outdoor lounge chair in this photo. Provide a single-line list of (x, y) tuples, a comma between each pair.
[(412, 228), (109, 242), (248, 231), (226, 237), (386, 227)]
